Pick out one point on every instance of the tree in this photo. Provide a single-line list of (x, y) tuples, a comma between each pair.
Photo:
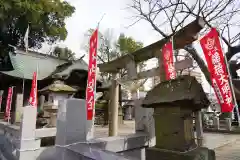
[(166, 17), (110, 49), (63, 53), (127, 45), (46, 20)]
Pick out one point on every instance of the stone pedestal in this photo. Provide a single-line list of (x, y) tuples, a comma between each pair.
[(27, 145), (128, 113), (19, 108), (228, 124), (195, 154), (173, 130), (51, 111), (216, 123), (120, 115), (174, 103), (72, 123), (53, 119)]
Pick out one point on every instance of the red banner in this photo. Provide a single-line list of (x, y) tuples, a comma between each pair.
[(211, 46), (33, 94), (167, 52), (8, 104), (91, 83)]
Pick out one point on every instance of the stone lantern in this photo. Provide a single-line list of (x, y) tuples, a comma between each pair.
[(174, 103), (128, 110), (56, 91)]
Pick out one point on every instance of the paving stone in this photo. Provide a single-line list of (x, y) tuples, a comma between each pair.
[(229, 152), (226, 146)]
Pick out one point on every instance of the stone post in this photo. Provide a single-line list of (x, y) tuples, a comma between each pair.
[(72, 125), (199, 130), (19, 108), (216, 123), (113, 107), (144, 121), (41, 102), (28, 145), (228, 124)]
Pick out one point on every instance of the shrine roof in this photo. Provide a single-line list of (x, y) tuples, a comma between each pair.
[(182, 37), (184, 91), (58, 86), (24, 64)]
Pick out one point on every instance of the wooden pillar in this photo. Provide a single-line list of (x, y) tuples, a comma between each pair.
[(113, 107)]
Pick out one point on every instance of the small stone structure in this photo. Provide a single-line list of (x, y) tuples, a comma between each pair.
[(56, 92), (74, 138), (128, 110), (174, 102)]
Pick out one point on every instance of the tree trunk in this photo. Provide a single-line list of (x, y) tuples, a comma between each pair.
[(199, 61), (232, 51)]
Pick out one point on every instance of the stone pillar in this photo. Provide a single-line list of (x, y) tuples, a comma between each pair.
[(28, 145), (72, 125), (19, 108), (144, 121), (128, 113), (216, 123), (113, 107), (41, 102), (228, 124), (199, 130)]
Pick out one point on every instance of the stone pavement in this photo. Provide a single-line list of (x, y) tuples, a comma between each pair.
[(227, 146), (216, 140), (211, 140), (229, 152)]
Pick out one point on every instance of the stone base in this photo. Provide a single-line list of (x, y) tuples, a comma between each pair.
[(197, 154)]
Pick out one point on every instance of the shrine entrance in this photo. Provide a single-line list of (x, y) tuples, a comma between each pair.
[(182, 38)]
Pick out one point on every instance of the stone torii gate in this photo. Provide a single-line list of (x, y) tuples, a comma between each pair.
[(183, 37)]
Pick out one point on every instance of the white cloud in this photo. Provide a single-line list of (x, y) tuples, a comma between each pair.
[(117, 17)]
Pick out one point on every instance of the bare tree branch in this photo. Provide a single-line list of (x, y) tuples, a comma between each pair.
[(221, 14)]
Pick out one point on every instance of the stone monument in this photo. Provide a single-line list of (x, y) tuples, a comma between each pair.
[(174, 103), (56, 91)]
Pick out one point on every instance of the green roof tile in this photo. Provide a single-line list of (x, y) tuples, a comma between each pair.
[(24, 65)]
